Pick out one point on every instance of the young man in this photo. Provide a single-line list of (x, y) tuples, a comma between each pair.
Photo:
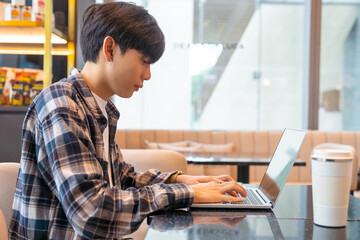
[(73, 182)]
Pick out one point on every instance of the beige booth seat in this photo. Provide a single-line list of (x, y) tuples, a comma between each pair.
[(8, 177), (163, 160), (245, 142), (3, 227)]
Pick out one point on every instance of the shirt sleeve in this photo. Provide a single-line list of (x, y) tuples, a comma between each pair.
[(72, 171), (130, 178), (178, 220)]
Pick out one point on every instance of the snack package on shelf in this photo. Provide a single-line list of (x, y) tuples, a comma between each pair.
[(37, 16), (12, 12), (18, 2), (9, 75), (37, 84), (2, 85), (26, 13), (38, 6), (17, 89), (2, 10), (21, 86), (36, 89), (29, 79)]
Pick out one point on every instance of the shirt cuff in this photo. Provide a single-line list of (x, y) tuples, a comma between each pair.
[(164, 177), (183, 196), (172, 178)]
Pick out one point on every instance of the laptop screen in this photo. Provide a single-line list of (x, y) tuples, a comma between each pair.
[(281, 163)]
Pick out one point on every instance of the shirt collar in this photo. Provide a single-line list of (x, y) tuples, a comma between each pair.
[(101, 102), (88, 97)]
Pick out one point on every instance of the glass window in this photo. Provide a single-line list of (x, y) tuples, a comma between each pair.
[(230, 65), (339, 66)]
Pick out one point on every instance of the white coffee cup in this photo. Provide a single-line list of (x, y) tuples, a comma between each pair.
[(331, 180)]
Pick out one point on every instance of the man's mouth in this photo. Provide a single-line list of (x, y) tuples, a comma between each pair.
[(137, 87)]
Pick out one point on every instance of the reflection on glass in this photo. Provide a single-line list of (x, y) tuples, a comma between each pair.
[(281, 163), (215, 224), (328, 233), (270, 187), (183, 219)]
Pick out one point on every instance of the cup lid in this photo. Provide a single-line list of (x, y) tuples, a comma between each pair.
[(336, 154)]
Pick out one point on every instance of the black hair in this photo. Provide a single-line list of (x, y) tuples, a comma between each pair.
[(131, 26)]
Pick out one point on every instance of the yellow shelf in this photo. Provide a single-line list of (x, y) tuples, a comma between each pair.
[(21, 23), (40, 38), (29, 35), (34, 49)]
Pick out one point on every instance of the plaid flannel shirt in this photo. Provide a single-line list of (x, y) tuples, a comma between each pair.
[(63, 190)]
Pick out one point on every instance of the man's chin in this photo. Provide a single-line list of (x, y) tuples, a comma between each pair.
[(125, 95)]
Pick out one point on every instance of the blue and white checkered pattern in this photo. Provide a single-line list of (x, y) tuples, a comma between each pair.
[(63, 189)]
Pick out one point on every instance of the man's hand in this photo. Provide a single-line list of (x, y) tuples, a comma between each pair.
[(191, 180), (215, 192), (231, 220)]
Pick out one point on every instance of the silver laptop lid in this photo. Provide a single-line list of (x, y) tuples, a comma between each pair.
[(281, 163)]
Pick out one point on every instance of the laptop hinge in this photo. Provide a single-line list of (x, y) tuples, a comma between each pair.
[(264, 197)]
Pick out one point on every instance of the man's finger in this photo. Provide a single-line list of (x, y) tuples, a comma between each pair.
[(210, 183), (233, 193), (234, 187), (228, 198), (218, 180), (226, 178), (205, 179)]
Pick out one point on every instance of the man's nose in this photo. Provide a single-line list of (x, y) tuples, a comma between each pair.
[(147, 73)]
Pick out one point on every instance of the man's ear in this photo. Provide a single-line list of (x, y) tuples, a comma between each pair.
[(108, 48)]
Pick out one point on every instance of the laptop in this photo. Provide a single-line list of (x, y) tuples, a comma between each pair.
[(266, 194)]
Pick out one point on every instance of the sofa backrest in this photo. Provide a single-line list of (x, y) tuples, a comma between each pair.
[(245, 142)]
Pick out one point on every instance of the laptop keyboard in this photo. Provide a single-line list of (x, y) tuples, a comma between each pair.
[(251, 198)]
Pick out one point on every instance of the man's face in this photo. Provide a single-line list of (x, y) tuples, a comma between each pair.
[(127, 72)]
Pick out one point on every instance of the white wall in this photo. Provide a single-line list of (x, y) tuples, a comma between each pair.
[(275, 49), (165, 100)]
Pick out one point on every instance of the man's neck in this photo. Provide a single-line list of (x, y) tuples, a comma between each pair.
[(94, 79)]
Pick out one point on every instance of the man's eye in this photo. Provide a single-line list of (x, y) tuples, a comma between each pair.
[(146, 62)]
